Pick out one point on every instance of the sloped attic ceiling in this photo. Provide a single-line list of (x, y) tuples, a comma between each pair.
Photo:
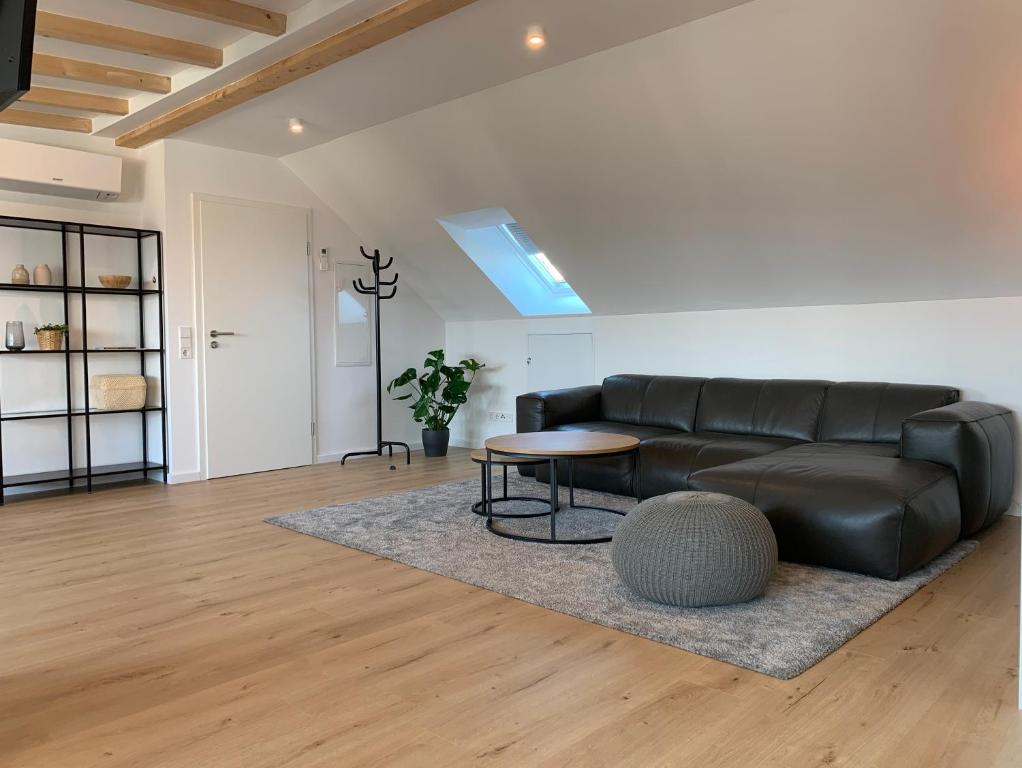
[(781, 153)]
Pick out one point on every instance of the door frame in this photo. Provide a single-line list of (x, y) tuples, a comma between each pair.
[(199, 319)]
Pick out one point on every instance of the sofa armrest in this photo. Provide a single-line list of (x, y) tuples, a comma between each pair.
[(978, 441), (537, 411)]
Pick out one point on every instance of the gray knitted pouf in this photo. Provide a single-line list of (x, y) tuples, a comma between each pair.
[(695, 549)]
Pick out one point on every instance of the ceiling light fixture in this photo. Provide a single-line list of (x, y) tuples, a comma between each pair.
[(535, 38), (295, 125)]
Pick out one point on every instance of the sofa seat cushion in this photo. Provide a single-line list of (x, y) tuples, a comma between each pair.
[(876, 515), (847, 447), (667, 461), (613, 474)]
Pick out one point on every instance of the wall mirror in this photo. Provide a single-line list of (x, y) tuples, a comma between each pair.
[(352, 316)]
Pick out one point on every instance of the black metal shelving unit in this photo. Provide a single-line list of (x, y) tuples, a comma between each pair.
[(82, 477)]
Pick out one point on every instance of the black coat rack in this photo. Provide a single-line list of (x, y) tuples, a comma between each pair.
[(374, 290)]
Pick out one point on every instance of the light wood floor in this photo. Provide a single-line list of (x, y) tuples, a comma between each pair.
[(154, 626)]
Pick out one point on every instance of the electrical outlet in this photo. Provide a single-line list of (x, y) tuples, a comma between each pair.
[(502, 417)]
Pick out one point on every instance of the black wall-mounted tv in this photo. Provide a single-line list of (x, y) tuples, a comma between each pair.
[(17, 31)]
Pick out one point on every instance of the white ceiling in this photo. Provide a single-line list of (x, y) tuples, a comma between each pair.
[(782, 153), (470, 50)]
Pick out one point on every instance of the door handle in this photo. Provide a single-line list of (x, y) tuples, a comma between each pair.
[(214, 334)]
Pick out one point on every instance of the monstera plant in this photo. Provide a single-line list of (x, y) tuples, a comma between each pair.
[(436, 394)]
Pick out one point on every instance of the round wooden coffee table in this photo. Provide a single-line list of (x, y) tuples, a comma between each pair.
[(552, 448)]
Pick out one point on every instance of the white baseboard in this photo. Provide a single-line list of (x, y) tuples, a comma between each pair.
[(1015, 510), (175, 478), (461, 442)]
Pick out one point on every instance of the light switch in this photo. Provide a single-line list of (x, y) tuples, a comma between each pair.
[(184, 342), (324, 259)]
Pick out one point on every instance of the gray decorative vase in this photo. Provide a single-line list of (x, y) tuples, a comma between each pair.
[(434, 442), (15, 339), (695, 549)]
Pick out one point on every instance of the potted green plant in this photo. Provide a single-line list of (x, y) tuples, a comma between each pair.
[(51, 336), (438, 393)]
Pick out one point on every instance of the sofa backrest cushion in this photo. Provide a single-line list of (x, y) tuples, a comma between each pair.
[(653, 401), (773, 407), (671, 402), (874, 411)]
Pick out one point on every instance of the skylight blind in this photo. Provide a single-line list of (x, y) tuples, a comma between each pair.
[(521, 237)]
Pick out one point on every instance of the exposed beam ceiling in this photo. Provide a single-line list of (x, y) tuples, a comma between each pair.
[(375, 30), (89, 102), (122, 39), (226, 12), (46, 120), (100, 74)]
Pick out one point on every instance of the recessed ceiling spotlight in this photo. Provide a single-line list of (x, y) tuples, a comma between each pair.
[(535, 38), (295, 125)]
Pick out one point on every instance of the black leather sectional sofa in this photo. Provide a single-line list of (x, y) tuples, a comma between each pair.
[(868, 477)]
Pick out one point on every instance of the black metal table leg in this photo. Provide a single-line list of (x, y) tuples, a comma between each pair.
[(638, 479), (489, 487), (571, 482), (553, 499)]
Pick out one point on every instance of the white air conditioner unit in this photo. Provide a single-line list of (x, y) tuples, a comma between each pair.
[(26, 167)]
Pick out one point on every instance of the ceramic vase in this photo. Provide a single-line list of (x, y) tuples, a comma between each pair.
[(42, 275), (20, 275), (15, 335)]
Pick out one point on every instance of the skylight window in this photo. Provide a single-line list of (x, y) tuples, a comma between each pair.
[(506, 254)]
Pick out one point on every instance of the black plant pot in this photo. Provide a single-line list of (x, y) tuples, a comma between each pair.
[(434, 441)]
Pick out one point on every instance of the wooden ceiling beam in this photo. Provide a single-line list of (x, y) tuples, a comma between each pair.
[(12, 116), (122, 39), (100, 74), (88, 102), (384, 26), (228, 12)]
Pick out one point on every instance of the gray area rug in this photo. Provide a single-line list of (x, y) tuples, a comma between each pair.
[(806, 614)]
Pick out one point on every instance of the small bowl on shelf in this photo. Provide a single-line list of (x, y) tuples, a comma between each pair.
[(115, 281)]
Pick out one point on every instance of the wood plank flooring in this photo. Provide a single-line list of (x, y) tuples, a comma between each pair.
[(169, 626)]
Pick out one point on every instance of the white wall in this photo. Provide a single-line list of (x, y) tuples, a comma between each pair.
[(37, 383), (159, 183), (965, 343), (346, 395)]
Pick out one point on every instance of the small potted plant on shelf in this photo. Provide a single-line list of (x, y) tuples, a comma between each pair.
[(51, 336), (438, 393)]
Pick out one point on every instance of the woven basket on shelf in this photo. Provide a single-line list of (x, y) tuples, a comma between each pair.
[(117, 392), (50, 339)]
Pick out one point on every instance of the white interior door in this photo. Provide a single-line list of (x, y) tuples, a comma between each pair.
[(254, 336), (561, 360)]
